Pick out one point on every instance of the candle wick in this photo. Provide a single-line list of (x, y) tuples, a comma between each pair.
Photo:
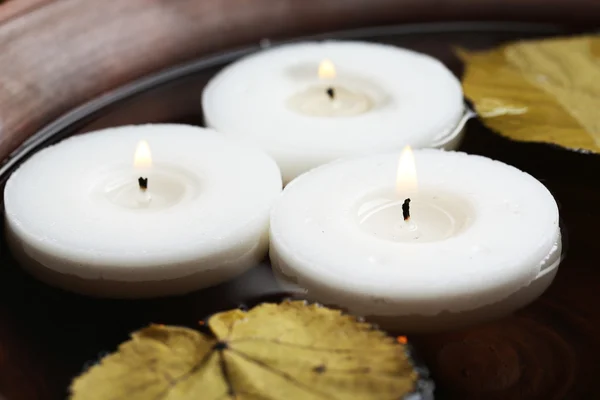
[(331, 93), (406, 209), (143, 182)]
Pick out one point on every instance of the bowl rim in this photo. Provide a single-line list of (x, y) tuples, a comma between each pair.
[(67, 123)]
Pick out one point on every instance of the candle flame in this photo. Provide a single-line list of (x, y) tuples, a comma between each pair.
[(402, 339), (406, 179), (326, 69), (143, 156)]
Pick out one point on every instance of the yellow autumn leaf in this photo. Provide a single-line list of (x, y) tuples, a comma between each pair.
[(290, 351), (539, 91)]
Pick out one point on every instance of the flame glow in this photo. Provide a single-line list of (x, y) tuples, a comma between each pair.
[(406, 179), (326, 70), (402, 339), (143, 157)]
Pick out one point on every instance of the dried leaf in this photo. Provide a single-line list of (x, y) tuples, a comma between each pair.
[(539, 91), (286, 351)]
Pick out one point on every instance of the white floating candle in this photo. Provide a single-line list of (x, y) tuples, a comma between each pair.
[(190, 211), (477, 240), (307, 104)]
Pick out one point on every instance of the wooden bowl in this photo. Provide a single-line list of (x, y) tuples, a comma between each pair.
[(548, 350)]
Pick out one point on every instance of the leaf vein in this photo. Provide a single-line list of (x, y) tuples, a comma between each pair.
[(282, 374), (185, 376), (306, 347)]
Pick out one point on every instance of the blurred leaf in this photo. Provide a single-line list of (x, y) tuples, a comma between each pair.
[(539, 91), (286, 351)]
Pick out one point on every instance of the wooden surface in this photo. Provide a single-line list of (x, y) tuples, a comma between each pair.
[(14, 8), (549, 350), (57, 54)]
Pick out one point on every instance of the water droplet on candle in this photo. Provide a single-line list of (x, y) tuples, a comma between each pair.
[(480, 249), (512, 207), (474, 196), (265, 43)]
